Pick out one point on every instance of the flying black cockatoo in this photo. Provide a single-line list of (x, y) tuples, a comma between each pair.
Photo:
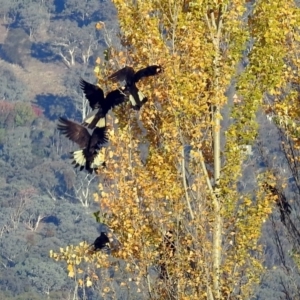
[(101, 244), (100, 104), (89, 155), (127, 74)]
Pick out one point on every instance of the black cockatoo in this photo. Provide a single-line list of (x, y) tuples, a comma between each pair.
[(100, 104), (101, 244), (89, 142), (127, 74)]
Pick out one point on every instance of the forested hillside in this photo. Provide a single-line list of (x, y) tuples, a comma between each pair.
[(200, 194), (45, 203)]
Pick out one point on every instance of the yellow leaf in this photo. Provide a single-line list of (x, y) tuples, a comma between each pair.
[(88, 282), (99, 25), (70, 268), (98, 60), (80, 282), (71, 271), (97, 69)]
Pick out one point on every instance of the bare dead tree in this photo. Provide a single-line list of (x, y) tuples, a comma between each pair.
[(82, 190)]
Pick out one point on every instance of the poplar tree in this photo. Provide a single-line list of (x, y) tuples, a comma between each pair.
[(167, 168)]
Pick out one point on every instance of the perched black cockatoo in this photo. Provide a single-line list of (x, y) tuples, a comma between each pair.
[(101, 244), (100, 104), (127, 74), (89, 155), (285, 208)]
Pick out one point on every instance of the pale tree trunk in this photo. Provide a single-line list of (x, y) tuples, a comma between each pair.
[(84, 107), (82, 190), (217, 229), (69, 60), (51, 194), (32, 224), (215, 30), (86, 55), (72, 54), (66, 61), (31, 33)]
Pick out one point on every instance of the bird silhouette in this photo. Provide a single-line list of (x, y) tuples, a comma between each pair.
[(100, 104), (285, 208), (101, 243), (89, 142), (127, 74)]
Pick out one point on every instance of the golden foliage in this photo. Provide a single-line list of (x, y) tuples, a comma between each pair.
[(99, 25), (199, 44)]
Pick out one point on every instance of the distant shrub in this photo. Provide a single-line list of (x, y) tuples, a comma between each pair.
[(2, 136), (18, 113), (24, 114), (11, 88), (17, 46), (37, 110)]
